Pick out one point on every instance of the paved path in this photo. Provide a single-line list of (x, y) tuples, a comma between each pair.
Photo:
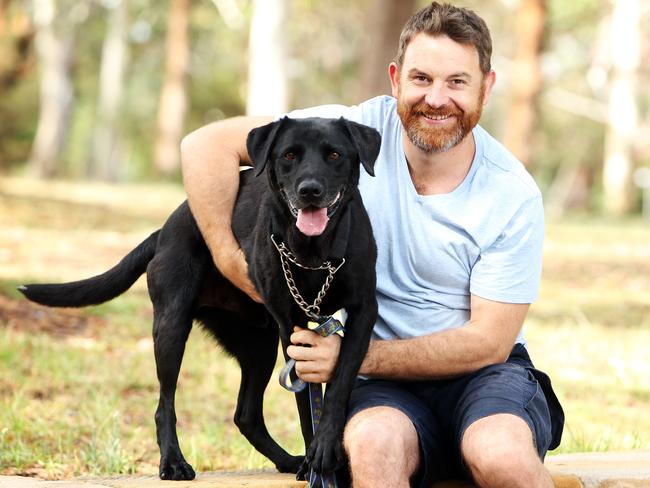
[(588, 470)]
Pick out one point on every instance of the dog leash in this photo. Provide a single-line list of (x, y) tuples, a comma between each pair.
[(325, 326)]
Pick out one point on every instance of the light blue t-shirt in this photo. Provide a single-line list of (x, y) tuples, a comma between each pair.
[(483, 238)]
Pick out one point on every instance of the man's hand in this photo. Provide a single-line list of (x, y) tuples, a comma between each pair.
[(316, 356), (234, 267)]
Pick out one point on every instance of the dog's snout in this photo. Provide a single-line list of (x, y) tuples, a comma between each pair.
[(310, 188)]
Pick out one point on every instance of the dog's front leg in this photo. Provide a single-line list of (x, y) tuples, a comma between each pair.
[(325, 454)]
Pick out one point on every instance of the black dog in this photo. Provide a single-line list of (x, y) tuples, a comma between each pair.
[(311, 204)]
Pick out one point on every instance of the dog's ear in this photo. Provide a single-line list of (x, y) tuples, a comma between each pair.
[(367, 141), (260, 142)]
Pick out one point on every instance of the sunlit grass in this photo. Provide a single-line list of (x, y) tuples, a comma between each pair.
[(84, 403), (590, 331)]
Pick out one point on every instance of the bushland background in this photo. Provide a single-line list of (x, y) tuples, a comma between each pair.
[(95, 96)]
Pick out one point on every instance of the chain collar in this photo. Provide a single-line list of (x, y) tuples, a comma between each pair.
[(286, 257)]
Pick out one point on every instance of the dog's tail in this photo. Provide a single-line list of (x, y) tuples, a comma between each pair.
[(100, 288)]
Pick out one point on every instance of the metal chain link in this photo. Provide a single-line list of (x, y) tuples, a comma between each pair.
[(313, 310)]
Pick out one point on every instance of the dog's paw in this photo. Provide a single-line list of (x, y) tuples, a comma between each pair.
[(303, 471), (177, 470), (326, 453), (290, 465)]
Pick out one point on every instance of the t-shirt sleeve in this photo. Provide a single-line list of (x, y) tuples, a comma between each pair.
[(509, 270)]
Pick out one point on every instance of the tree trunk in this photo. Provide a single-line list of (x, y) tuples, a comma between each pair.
[(619, 194), (107, 157), (54, 53), (387, 19), (526, 79), (267, 54), (4, 6), (173, 98), (16, 57)]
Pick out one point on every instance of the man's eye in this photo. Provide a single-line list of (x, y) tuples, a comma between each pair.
[(290, 156), (334, 156)]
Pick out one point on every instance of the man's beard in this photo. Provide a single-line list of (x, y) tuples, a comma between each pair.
[(437, 139)]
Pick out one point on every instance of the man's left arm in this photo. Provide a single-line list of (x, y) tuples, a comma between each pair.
[(487, 338)]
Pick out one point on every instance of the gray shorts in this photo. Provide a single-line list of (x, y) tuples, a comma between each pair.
[(442, 410)]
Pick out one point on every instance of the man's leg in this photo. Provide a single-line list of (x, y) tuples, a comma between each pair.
[(500, 453), (382, 447)]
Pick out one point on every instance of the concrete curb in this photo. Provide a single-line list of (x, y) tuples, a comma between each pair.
[(581, 470), (604, 469)]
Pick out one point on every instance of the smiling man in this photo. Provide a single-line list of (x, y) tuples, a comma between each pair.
[(448, 388)]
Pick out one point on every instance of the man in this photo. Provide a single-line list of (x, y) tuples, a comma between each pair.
[(459, 229)]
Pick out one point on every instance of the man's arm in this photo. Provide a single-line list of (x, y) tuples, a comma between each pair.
[(211, 157), (487, 338)]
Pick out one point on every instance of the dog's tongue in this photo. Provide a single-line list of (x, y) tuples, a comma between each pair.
[(312, 221)]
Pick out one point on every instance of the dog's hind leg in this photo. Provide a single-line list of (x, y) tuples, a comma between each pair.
[(256, 351), (303, 404), (304, 412), (170, 334), (169, 346), (173, 314)]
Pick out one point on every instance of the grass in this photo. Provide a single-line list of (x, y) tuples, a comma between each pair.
[(78, 388), (590, 331)]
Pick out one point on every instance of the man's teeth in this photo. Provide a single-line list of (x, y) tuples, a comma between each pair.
[(437, 117)]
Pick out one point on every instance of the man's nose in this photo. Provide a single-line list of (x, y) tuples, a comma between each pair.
[(437, 95)]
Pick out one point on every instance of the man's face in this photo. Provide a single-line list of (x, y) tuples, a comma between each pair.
[(440, 91)]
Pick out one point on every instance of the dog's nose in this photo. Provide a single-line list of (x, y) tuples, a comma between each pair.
[(310, 189)]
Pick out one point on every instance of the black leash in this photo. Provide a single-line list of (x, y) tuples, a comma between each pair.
[(325, 326)]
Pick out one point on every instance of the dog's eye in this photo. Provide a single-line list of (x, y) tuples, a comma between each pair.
[(290, 156), (334, 156)]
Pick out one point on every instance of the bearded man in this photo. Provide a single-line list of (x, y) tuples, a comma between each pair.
[(447, 389)]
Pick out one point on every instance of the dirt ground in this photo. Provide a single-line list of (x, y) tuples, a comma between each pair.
[(55, 231), (26, 316)]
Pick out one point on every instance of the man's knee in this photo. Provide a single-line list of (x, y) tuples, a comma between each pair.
[(500, 447), (381, 434)]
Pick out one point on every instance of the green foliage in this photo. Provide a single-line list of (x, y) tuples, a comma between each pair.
[(326, 44), (18, 117)]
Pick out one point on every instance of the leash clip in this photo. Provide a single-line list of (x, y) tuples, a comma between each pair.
[(324, 326)]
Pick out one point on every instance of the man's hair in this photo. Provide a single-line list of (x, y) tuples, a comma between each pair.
[(459, 24)]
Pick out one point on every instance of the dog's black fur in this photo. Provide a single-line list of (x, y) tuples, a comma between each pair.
[(309, 163)]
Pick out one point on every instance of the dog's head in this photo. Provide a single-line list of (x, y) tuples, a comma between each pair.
[(313, 163)]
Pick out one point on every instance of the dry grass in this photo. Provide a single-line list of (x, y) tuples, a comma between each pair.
[(591, 329), (78, 389)]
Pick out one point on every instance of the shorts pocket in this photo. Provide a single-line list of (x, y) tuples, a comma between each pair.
[(538, 411)]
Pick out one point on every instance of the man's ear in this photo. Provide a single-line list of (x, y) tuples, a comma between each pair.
[(487, 85), (393, 74), (367, 141), (260, 142)]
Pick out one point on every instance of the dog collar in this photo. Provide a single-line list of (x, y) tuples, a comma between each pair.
[(286, 257)]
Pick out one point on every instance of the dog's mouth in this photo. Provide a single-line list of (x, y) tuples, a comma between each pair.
[(312, 220)]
